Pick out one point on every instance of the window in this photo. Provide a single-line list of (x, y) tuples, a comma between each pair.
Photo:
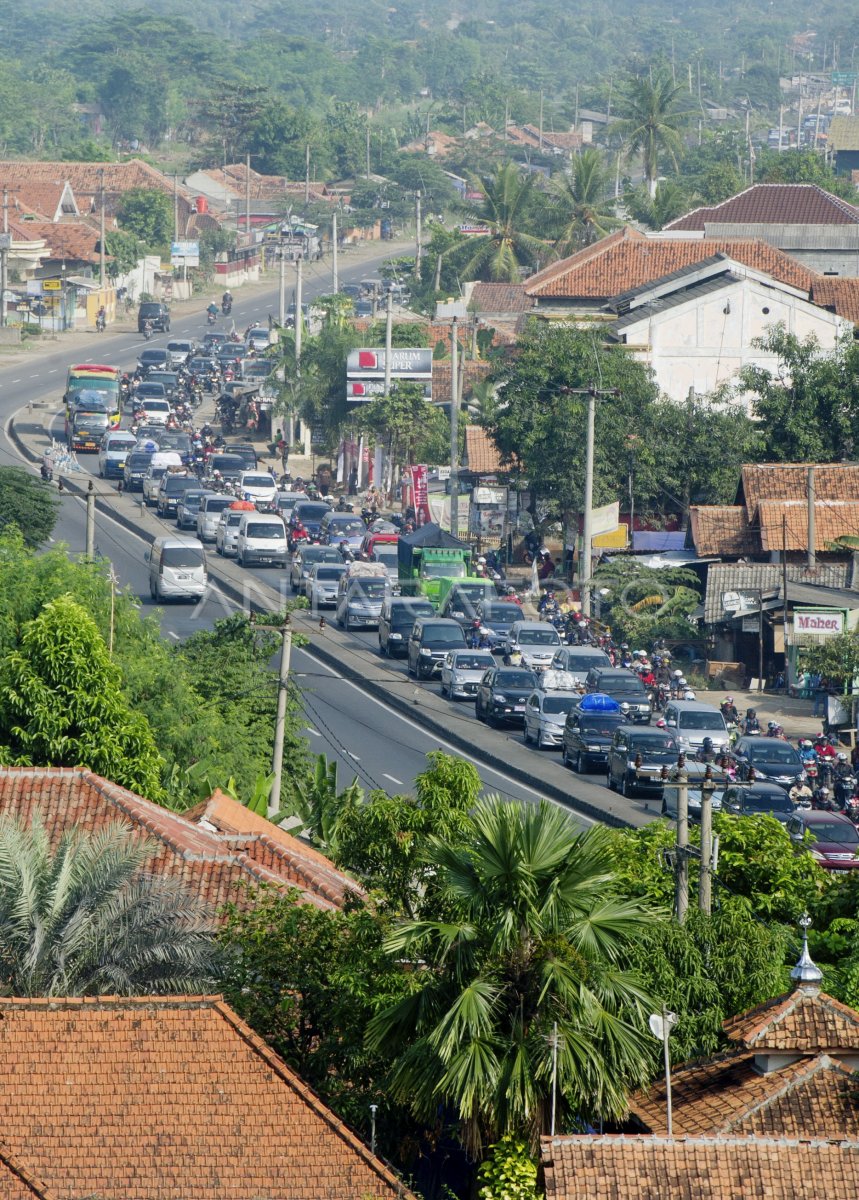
[(539, 637), (702, 720), (557, 705), (182, 557)]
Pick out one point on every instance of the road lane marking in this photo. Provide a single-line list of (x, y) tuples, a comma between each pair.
[(315, 732), (393, 779), (175, 636)]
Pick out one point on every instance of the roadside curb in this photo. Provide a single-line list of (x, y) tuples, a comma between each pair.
[(390, 699)]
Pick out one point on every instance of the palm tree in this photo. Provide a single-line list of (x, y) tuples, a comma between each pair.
[(653, 122), (500, 256), (533, 937), (84, 919), (583, 208)]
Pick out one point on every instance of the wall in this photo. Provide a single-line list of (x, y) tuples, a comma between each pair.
[(819, 247)]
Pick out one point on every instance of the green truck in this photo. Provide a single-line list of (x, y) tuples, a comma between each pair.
[(430, 561)]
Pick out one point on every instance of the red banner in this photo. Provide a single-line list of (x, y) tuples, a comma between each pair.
[(420, 490)]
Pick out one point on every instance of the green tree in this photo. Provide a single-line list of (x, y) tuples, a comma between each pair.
[(653, 124), (508, 1172), (124, 250), (84, 919), (411, 429), (836, 658), (27, 504), (809, 404), (581, 204), (534, 935), (656, 209), (505, 210), (61, 703), (644, 603), (147, 214)]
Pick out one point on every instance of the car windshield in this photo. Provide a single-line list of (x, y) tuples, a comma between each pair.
[(267, 529), (502, 612), (157, 472), (555, 705), (137, 461), (260, 481), (347, 525), (186, 557), (388, 557), (175, 485), (776, 753), (701, 720), (775, 801), (834, 831), (172, 439), (312, 554), (600, 726), (581, 663), (622, 685), (443, 570), (474, 591), (371, 587), (225, 462), (473, 662), (217, 504), (517, 679), (234, 519), (408, 616), (311, 512), (652, 743), (192, 499), (442, 635), (329, 573), (539, 637)]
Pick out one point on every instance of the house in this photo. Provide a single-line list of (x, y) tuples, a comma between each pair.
[(70, 246), (491, 302), (843, 143), (157, 1096), (697, 327), (435, 144), (813, 226), (482, 456), (37, 199), (212, 851), (775, 1116)]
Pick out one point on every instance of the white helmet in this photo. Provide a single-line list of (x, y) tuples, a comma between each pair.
[(681, 681), (678, 674)]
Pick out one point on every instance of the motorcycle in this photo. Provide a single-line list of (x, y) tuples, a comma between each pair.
[(211, 317), (100, 323), (147, 330), (226, 307), (851, 809), (845, 786)]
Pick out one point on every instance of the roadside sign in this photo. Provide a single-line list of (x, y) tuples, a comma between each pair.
[(407, 363), (844, 78), (51, 285)]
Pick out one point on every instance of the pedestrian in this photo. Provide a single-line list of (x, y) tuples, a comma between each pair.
[(353, 481), (820, 695)]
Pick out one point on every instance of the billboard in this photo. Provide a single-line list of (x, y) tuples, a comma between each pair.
[(185, 254), (371, 389), (820, 622), (365, 371)]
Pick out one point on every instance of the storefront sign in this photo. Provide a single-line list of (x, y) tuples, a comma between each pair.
[(819, 622)]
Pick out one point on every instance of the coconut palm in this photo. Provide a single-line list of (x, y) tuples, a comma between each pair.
[(534, 936), (500, 256), (653, 122), (85, 919), (582, 207)]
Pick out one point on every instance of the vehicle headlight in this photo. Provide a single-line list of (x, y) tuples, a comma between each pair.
[(594, 748), (500, 698), (395, 637), (426, 653)]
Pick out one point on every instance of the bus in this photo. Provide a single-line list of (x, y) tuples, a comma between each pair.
[(84, 379)]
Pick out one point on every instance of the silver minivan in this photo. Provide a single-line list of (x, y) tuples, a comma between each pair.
[(692, 722), (177, 569), (212, 508), (261, 540)]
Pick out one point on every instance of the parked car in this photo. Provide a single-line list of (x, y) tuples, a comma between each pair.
[(502, 695), (758, 799), (429, 642), (156, 314), (588, 731), (304, 559), (835, 838), (636, 758), (321, 584), (623, 686), (771, 758), (462, 671), (693, 721), (396, 619)]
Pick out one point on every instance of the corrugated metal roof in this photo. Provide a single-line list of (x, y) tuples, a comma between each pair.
[(732, 577)]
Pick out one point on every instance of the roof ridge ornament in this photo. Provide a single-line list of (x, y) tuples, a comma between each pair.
[(806, 971)]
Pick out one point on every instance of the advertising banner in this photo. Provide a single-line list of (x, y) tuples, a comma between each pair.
[(420, 492)]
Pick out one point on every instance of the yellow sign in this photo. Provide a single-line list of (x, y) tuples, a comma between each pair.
[(615, 539), (51, 285)]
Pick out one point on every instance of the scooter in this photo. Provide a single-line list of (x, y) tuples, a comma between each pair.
[(146, 331), (211, 318)]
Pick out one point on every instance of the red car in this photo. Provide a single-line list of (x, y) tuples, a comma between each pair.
[(836, 838)]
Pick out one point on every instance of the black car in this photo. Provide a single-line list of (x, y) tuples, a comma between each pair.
[(636, 759), (429, 641), (245, 451), (156, 314), (136, 466), (171, 490), (152, 360), (396, 619), (772, 759), (169, 380), (623, 686), (460, 603), (308, 513), (587, 738), (758, 800), (502, 694), (498, 616), (229, 466)]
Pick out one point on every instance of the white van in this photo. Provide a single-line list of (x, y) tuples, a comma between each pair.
[(177, 569), (261, 540), (116, 445)]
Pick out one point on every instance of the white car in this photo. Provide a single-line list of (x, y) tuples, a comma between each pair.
[(227, 532), (258, 486), (157, 411), (462, 671), (257, 339), (116, 445), (322, 583), (151, 484)]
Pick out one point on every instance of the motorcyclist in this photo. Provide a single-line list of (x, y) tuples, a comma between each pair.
[(801, 794), (707, 753), (751, 724), (774, 730), (512, 595), (729, 711), (227, 301), (212, 312), (822, 799), (101, 319)]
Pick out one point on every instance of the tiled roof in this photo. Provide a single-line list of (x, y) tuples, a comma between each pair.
[(67, 239), (721, 531), (272, 847), (176, 1097), (729, 1094), (843, 134), (784, 523), (29, 197), (804, 1020), (475, 370), (789, 481), (645, 1168), (17, 1182), (210, 864), (840, 294), (85, 179), (773, 204), (625, 260), (482, 456), (732, 577), (500, 298)]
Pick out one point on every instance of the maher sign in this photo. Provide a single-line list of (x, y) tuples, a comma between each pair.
[(818, 621), (365, 371)]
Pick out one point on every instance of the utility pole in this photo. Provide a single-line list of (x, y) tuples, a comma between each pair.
[(175, 205), (307, 172), (705, 884), (248, 196), (587, 524), (681, 878), (101, 229), (90, 522), (812, 536), (389, 332), (285, 631), (368, 143), (454, 428), (335, 275), (5, 243), (541, 119), (417, 235), (282, 302)]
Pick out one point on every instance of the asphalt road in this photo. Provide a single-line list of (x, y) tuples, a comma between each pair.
[(378, 744)]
